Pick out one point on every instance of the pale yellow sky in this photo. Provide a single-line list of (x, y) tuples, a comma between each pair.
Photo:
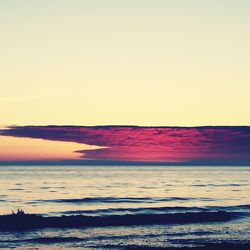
[(125, 62), (18, 149)]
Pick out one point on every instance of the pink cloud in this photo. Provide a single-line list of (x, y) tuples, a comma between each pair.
[(160, 144)]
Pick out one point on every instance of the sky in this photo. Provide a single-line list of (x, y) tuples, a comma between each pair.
[(140, 62)]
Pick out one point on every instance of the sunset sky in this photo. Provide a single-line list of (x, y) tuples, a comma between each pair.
[(135, 62)]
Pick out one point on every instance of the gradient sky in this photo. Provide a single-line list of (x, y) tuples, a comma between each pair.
[(135, 62), (25, 149)]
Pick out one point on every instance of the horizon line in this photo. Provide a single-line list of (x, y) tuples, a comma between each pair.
[(123, 163)]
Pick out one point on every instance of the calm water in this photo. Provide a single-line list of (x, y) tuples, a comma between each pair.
[(108, 191)]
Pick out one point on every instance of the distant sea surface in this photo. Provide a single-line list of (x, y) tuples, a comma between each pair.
[(149, 192)]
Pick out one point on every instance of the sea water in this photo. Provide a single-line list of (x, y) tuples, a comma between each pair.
[(106, 191)]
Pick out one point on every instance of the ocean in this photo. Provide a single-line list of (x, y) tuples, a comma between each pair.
[(125, 206)]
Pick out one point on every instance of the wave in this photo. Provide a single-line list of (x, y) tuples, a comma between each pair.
[(119, 200), (140, 210), (45, 240), (155, 210), (245, 206), (200, 246), (32, 221), (219, 185)]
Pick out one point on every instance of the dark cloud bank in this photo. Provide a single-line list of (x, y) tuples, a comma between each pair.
[(215, 145)]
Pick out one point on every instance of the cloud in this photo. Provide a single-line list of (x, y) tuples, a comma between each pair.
[(158, 144)]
